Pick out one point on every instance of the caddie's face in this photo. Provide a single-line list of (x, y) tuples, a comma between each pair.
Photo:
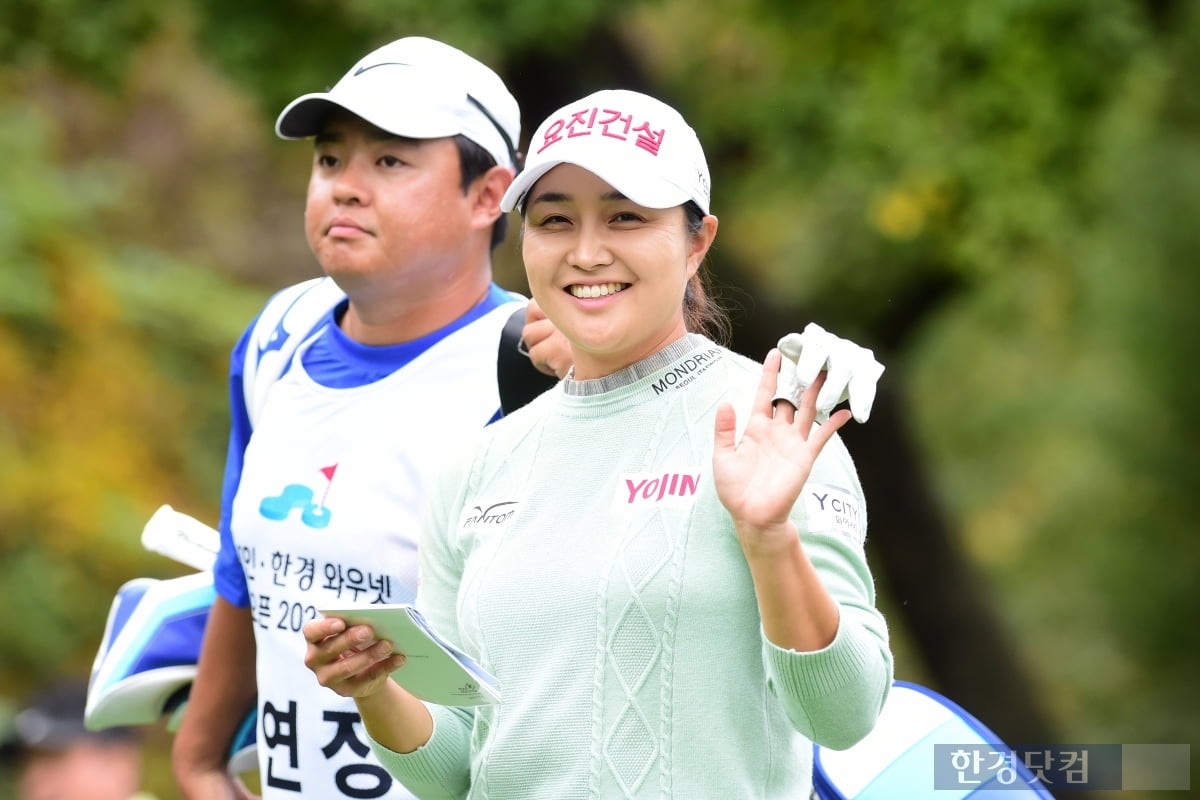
[(609, 273), (386, 213)]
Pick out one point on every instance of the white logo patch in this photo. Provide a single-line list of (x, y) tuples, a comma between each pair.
[(830, 509)]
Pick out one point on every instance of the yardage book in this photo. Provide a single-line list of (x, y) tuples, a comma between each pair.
[(436, 670)]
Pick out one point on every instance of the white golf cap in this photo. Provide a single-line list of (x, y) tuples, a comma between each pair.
[(639, 145), (420, 89)]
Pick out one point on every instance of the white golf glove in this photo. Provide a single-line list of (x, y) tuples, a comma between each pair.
[(852, 371)]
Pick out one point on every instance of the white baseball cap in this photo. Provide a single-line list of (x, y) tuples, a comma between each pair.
[(418, 88), (640, 146)]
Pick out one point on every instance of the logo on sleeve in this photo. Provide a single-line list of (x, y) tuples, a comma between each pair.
[(830, 509), (494, 515)]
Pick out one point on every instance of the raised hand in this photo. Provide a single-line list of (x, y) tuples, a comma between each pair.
[(851, 371), (759, 477)]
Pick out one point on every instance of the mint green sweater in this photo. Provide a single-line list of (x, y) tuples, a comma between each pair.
[(581, 555)]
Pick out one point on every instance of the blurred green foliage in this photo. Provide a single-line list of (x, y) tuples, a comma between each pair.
[(999, 197)]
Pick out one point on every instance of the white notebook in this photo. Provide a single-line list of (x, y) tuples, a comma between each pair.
[(435, 670)]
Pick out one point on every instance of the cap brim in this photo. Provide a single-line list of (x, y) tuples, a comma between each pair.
[(628, 181), (306, 115)]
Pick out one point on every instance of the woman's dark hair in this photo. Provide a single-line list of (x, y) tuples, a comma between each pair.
[(475, 161), (701, 312)]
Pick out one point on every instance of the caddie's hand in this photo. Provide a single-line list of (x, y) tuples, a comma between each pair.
[(348, 660), (852, 371), (545, 345)]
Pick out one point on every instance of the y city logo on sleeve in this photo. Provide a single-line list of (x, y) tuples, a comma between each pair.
[(298, 497), (643, 490), (830, 508)]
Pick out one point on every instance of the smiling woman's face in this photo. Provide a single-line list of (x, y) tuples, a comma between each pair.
[(609, 273)]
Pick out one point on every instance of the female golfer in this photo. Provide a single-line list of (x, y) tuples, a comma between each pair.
[(662, 565)]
